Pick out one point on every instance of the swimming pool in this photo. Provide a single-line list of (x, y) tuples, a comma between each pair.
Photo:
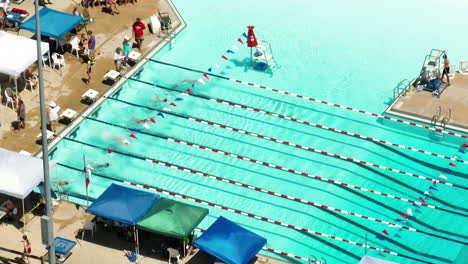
[(352, 55)]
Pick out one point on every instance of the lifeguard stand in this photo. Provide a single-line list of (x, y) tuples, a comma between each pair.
[(262, 58), (432, 68)]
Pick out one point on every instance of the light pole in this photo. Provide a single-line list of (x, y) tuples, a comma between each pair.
[(45, 149)]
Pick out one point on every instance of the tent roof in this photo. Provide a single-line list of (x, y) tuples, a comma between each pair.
[(172, 218), (372, 260), (20, 173), (17, 53), (123, 204), (230, 242), (54, 23)]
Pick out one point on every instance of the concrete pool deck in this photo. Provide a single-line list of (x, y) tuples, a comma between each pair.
[(104, 246), (422, 106), (66, 90)]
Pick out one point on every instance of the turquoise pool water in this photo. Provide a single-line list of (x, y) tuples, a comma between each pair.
[(347, 53)]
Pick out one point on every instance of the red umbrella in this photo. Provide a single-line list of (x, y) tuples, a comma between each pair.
[(251, 39)]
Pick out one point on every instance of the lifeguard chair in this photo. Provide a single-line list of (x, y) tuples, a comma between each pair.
[(261, 53)]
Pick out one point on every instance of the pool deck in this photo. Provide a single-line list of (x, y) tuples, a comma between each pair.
[(102, 247), (422, 106), (66, 89)]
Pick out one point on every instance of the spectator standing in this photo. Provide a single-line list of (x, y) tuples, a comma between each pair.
[(52, 116), (83, 43), (91, 44), (138, 32), (76, 12), (118, 59), (21, 112), (446, 69), (89, 69), (26, 248), (127, 48)]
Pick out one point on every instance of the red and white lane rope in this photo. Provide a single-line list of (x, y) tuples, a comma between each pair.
[(278, 194), (313, 99), (321, 151), (264, 219), (328, 153), (278, 251), (333, 129), (346, 132), (281, 168), (297, 172)]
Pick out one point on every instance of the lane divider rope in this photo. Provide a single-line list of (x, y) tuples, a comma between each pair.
[(198, 229), (284, 169), (310, 99), (309, 148)]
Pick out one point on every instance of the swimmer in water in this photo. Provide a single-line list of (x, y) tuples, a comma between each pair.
[(121, 140), (106, 135), (189, 81), (158, 99), (139, 121)]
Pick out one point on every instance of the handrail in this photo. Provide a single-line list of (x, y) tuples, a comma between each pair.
[(401, 88), (446, 119), (436, 116)]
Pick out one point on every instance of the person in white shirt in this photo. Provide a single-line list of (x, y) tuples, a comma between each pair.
[(118, 58), (5, 4), (52, 115)]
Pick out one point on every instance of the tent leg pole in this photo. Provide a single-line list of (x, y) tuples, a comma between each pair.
[(24, 217), (183, 244)]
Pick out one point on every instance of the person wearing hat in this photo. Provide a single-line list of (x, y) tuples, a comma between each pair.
[(118, 58), (127, 48), (52, 115), (89, 69), (138, 33)]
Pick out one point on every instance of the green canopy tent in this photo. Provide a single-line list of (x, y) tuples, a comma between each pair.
[(171, 218)]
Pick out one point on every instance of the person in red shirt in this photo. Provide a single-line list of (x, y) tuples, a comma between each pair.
[(138, 28)]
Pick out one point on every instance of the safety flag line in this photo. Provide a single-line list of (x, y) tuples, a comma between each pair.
[(313, 99), (276, 251), (281, 168)]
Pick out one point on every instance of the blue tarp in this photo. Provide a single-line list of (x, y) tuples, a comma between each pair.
[(230, 242), (123, 204), (54, 23)]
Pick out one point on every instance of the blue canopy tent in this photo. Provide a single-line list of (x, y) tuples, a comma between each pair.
[(54, 24), (230, 242), (124, 205)]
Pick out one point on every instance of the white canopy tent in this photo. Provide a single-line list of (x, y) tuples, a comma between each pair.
[(20, 174), (371, 260), (17, 53)]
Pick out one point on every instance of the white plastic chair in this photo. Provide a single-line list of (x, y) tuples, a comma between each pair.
[(90, 226), (155, 25), (9, 96), (28, 82), (173, 253), (61, 43), (74, 42), (58, 60)]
